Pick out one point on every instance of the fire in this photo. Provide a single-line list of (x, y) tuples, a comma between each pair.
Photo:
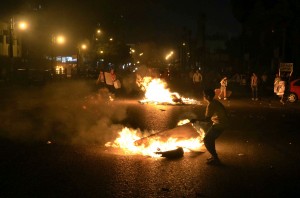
[(156, 92), (127, 141)]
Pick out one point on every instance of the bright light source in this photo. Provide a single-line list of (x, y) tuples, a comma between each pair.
[(83, 46), (22, 25), (169, 55), (60, 39)]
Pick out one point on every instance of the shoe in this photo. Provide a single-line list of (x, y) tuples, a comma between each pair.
[(225, 98), (219, 97), (210, 158), (214, 161)]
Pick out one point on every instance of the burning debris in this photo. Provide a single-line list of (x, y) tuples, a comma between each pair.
[(176, 153), (156, 92), (186, 137)]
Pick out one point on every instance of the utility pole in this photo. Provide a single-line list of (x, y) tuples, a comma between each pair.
[(10, 49)]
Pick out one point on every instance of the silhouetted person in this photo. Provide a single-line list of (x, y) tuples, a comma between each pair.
[(217, 115)]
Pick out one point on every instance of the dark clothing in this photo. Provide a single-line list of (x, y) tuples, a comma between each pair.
[(215, 111), (209, 140)]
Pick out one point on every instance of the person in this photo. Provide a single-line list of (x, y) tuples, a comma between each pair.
[(254, 84), (281, 90), (100, 79), (217, 115), (113, 75), (276, 82), (197, 79), (223, 83)]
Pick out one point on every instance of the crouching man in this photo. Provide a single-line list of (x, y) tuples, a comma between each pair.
[(217, 115)]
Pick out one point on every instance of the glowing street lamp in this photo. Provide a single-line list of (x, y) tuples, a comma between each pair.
[(81, 48), (56, 40), (22, 25), (60, 39), (14, 25), (168, 56)]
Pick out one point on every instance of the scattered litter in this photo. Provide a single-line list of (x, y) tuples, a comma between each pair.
[(49, 142), (241, 154)]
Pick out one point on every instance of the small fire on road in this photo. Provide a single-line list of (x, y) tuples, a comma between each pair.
[(156, 92), (186, 135)]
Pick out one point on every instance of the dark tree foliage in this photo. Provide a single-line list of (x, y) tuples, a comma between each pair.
[(270, 31)]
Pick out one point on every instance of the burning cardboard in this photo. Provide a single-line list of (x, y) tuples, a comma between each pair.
[(167, 143), (186, 131), (156, 92)]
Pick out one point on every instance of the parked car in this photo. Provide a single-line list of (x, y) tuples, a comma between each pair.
[(294, 91)]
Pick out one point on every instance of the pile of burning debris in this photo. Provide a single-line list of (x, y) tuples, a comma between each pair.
[(173, 143), (157, 93)]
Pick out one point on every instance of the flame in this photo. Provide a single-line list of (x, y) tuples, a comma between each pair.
[(127, 138), (156, 92)]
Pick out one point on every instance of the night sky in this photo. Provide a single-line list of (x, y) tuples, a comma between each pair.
[(137, 20), (151, 18)]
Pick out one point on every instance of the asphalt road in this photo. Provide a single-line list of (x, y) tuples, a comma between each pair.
[(52, 145)]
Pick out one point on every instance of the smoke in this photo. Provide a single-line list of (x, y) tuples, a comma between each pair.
[(61, 112)]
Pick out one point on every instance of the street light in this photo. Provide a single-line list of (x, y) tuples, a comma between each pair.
[(56, 40), (169, 55), (82, 47), (21, 25)]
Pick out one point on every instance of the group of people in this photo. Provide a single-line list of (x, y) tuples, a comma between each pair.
[(216, 113), (253, 85), (279, 86), (108, 79)]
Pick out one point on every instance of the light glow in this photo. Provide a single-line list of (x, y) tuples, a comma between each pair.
[(156, 92), (186, 136), (23, 25)]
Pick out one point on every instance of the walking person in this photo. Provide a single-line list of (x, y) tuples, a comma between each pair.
[(217, 115), (254, 84), (197, 79), (281, 90), (223, 87), (276, 83)]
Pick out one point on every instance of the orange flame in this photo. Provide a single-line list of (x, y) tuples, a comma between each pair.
[(127, 138), (156, 92)]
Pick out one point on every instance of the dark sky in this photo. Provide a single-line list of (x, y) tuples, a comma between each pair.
[(151, 18), (136, 20)]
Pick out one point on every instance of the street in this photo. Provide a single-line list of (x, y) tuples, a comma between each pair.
[(53, 145)]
